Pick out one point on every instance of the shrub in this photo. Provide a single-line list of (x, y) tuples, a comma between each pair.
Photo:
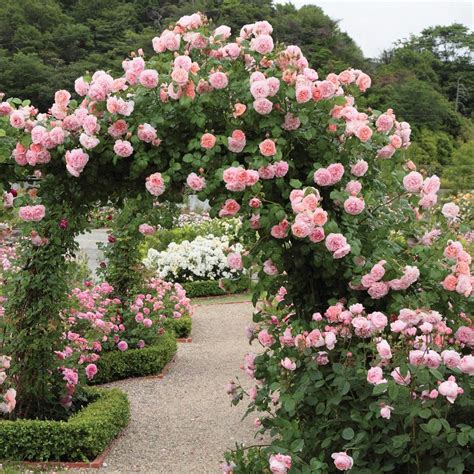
[(81, 438), (196, 289), (117, 365), (181, 327)]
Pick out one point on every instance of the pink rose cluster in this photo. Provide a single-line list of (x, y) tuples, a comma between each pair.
[(354, 205), (372, 281), (337, 244), (400, 138), (237, 179), (310, 218), (32, 213), (460, 279), (357, 123), (237, 141), (329, 176), (427, 189)]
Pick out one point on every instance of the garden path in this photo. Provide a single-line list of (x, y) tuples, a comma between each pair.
[(185, 422)]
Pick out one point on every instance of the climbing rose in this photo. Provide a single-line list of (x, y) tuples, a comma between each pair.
[(155, 184), (413, 182), (208, 140), (76, 160), (218, 80), (342, 461), (123, 148), (359, 168), (354, 205), (195, 182), (32, 213), (234, 260), (279, 463), (267, 147)]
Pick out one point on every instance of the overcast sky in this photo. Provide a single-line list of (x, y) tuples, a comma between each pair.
[(376, 24)]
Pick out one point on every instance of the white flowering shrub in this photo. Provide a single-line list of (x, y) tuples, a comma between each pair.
[(204, 258)]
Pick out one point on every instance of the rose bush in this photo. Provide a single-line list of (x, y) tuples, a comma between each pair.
[(321, 183)]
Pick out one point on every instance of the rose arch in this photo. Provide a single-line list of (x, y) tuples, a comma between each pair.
[(342, 225)]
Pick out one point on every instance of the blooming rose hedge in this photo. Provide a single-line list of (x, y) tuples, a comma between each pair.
[(341, 219)]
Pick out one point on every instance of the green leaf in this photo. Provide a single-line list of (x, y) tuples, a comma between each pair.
[(297, 445), (347, 434), (379, 389), (295, 183)]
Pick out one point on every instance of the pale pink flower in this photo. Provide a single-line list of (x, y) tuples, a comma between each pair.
[(155, 184), (354, 205), (263, 106), (195, 182), (399, 378), (467, 365), (208, 140), (218, 80), (450, 211), (449, 389), (413, 182), (123, 148), (288, 364), (262, 44), (229, 208), (375, 376), (342, 461), (265, 338), (279, 463), (386, 411), (76, 160), (234, 260), (267, 147), (146, 229)]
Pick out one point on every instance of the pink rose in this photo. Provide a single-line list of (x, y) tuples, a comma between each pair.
[(146, 133), (383, 349), (450, 210), (288, 364), (413, 182), (364, 133), (451, 359), (322, 177), (146, 229), (375, 376), (450, 390), (281, 169), (335, 242), (342, 461), (155, 184), (399, 378), (195, 182), (230, 208), (262, 44), (208, 140), (353, 188), (122, 346), (123, 148), (265, 338), (91, 370), (234, 260), (267, 147), (270, 268), (218, 80), (359, 168), (386, 411), (363, 82), (76, 160), (32, 213), (354, 205), (467, 365), (263, 106), (279, 463)]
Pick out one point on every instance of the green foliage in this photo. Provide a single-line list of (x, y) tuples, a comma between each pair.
[(117, 365), (81, 438), (181, 327), (195, 289), (460, 174)]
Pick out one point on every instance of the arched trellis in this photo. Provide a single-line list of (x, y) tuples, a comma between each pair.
[(247, 125)]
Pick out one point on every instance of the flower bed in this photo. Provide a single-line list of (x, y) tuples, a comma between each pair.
[(117, 365), (82, 437)]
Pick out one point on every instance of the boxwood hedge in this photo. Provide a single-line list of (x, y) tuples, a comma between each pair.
[(150, 360), (181, 327), (198, 288), (80, 438)]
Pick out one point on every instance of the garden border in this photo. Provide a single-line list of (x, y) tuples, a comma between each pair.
[(108, 413)]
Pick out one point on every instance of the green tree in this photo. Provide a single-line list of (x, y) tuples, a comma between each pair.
[(460, 174)]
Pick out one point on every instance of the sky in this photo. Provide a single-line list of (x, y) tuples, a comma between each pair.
[(376, 24)]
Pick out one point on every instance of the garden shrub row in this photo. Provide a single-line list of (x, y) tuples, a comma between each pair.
[(181, 327), (199, 288), (82, 437), (150, 360)]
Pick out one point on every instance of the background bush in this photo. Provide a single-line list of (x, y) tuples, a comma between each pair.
[(150, 360), (81, 438)]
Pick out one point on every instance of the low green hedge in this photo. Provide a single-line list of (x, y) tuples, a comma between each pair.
[(82, 437), (195, 289), (181, 327), (116, 365)]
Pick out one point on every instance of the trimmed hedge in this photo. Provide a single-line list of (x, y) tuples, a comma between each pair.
[(82, 437), (117, 365), (181, 327), (198, 288)]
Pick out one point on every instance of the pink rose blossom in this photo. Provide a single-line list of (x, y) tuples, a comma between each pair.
[(218, 80), (399, 378), (32, 213), (123, 148), (288, 364), (413, 182), (267, 147), (155, 184), (195, 182), (342, 461), (279, 463), (230, 208), (208, 140), (386, 411), (263, 106), (76, 160)]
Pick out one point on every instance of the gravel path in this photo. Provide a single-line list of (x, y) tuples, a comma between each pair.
[(184, 423)]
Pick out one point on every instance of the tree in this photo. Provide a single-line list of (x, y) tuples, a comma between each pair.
[(460, 173)]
